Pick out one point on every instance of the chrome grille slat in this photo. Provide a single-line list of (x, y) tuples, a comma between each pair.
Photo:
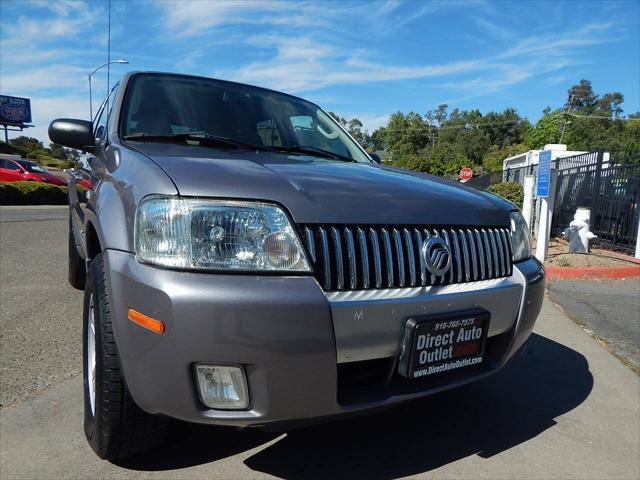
[(494, 251), (465, 254), (488, 253), (377, 265), (389, 260), (311, 244), (474, 257), (364, 255), (503, 269), (423, 266), (479, 242), (400, 256), (351, 257), (508, 256), (337, 243), (326, 260), (456, 254), (410, 257)]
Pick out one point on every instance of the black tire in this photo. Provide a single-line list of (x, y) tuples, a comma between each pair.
[(77, 268), (116, 428)]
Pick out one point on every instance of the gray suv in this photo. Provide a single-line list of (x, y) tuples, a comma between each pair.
[(246, 263)]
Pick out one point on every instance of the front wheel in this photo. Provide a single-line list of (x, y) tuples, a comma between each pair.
[(113, 424)]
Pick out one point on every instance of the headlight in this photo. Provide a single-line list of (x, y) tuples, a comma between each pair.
[(216, 235), (520, 237)]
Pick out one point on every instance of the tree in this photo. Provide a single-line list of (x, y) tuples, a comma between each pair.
[(405, 134), (27, 144), (58, 151), (439, 159), (354, 127), (339, 119), (547, 129), (582, 100), (493, 159), (438, 117)]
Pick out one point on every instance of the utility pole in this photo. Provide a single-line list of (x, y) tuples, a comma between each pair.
[(564, 125)]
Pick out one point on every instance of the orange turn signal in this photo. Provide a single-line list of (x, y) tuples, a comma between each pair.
[(146, 322)]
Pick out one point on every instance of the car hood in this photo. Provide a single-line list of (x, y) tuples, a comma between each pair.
[(315, 190)]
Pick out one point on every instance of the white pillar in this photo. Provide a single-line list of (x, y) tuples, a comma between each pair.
[(544, 225), (527, 205), (638, 240)]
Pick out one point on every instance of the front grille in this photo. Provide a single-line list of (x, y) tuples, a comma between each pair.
[(374, 257)]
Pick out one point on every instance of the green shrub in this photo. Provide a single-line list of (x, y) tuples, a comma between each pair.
[(49, 161), (32, 193), (511, 191)]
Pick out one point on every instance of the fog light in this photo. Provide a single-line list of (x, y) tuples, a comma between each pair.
[(222, 387)]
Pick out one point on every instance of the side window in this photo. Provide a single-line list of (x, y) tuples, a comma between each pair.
[(269, 133), (3, 163), (13, 166), (102, 118), (100, 123)]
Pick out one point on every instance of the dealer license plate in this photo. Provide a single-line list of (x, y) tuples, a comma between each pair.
[(441, 343)]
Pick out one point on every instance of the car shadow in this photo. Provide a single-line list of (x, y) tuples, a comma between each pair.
[(484, 418)]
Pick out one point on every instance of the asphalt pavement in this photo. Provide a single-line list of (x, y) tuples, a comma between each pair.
[(566, 408), (608, 309), (40, 314)]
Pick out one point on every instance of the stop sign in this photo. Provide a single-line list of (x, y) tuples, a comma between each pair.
[(466, 174)]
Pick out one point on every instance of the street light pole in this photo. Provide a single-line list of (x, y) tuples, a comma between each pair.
[(122, 61)]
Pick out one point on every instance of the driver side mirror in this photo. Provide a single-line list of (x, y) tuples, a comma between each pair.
[(72, 133), (376, 158)]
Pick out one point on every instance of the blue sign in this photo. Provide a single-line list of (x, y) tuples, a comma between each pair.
[(14, 110), (544, 173)]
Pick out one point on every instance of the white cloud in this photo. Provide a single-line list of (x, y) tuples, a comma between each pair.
[(493, 29), (45, 78), (560, 43), (186, 18), (303, 64), (69, 19)]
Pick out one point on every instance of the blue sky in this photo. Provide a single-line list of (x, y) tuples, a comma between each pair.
[(363, 59)]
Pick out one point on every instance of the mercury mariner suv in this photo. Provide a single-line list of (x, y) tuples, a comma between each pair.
[(246, 263)]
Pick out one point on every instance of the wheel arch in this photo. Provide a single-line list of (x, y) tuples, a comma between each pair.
[(94, 245)]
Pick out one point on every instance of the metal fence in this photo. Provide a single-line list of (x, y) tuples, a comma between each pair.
[(607, 184), (610, 190), (517, 174)]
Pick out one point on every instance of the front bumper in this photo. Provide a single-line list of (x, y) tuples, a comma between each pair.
[(299, 347)]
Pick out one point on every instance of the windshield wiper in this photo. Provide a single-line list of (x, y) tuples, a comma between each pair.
[(315, 151), (209, 139), (203, 138)]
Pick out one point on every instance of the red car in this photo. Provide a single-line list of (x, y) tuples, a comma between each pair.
[(27, 171)]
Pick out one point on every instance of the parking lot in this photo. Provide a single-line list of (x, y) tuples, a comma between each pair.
[(567, 408)]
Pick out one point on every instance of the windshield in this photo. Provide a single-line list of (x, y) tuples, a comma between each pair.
[(34, 167), (163, 105)]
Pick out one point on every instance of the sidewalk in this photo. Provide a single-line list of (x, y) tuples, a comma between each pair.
[(566, 409), (608, 309)]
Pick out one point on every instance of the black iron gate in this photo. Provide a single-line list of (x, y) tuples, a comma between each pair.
[(611, 190)]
